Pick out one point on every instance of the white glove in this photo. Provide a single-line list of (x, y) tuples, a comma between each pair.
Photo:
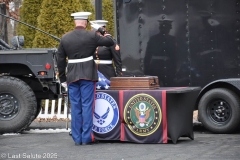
[(64, 84), (107, 34), (95, 26)]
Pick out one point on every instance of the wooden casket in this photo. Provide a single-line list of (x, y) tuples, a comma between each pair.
[(134, 83)]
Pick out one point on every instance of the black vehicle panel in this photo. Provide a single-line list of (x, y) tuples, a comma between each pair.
[(183, 42)]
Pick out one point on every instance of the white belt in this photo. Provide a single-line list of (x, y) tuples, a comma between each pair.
[(103, 61), (80, 60)]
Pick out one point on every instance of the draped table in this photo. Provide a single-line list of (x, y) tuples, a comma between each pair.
[(145, 116)]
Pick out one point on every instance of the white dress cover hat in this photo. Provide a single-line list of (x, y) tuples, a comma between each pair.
[(81, 15), (99, 22)]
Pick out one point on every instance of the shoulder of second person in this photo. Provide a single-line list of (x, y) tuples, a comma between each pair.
[(67, 34)]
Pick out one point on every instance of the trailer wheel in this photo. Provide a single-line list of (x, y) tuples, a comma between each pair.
[(18, 105), (219, 110)]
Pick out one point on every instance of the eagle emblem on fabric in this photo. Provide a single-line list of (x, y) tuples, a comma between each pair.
[(142, 114)]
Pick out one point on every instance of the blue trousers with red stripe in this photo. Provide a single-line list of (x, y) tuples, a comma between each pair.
[(81, 95)]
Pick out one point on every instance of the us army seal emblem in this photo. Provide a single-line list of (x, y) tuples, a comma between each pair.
[(142, 114)]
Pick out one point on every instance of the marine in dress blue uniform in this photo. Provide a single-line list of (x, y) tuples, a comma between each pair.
[(79, 46), (106, 56)]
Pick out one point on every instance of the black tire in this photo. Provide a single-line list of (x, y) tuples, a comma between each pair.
[(18, 105), (219, 111), (39, 107)]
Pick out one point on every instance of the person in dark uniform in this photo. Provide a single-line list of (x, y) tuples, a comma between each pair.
[(213, 59), (160, 58), (79, 46), (106, 56)]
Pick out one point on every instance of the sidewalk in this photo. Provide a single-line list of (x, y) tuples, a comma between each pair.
[(61, 126), (61, 123)]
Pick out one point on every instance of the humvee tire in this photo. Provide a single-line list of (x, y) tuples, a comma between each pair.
[(39, 107), (18, 105)]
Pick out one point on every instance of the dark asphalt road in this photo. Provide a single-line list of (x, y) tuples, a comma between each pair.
[(29, 145)]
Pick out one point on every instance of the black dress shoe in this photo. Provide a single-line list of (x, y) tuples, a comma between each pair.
[(91, 143), (78, 144)]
